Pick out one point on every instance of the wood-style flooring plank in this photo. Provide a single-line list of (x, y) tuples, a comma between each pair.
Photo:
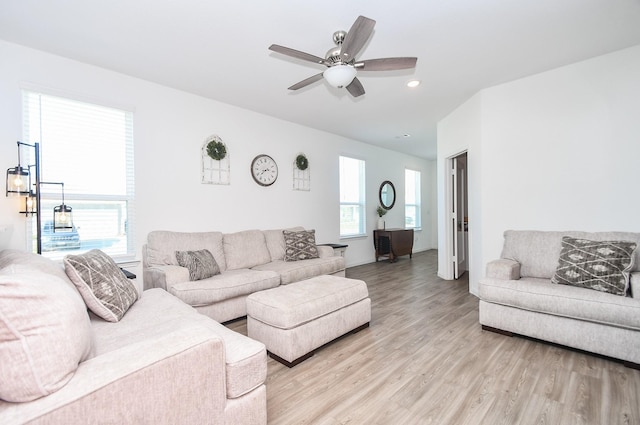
[(426, 360)]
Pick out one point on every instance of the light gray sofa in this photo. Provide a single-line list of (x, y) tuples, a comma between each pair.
[(517, 296), (249, 261), (162, 363)]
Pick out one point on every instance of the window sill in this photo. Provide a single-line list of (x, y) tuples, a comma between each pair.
[(361, 236)]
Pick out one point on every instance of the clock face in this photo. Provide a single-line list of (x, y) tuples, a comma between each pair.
[(264, 170)]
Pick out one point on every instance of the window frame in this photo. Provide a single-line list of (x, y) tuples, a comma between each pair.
[(32, 132), (360, 204), (417, 195)]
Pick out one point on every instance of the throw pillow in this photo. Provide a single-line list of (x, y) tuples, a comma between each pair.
[(600, 265), (300, 245), (103, 286), (44, 334), (201, 264)]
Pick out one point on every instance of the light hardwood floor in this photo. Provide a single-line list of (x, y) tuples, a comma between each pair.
[(426, 360)]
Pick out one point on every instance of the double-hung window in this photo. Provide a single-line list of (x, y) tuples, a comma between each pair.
[(412, 199), (89, 148), (352, 197)]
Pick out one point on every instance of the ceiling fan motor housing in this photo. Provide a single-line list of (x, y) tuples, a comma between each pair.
[(333, 54)]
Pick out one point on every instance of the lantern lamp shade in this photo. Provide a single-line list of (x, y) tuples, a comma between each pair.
[(62, 219), (18, 183)]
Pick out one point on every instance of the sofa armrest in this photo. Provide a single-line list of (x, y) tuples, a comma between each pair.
[(161, 276), (176, 378), (634, 284), (325, 251), (504, 269)]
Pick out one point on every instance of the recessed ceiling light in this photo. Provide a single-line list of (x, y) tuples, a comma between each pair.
[(404, 136), (413, 83)]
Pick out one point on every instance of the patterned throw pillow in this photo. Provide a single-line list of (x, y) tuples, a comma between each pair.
[(201, 264), (103, 286), (300, 245), (600, 265)]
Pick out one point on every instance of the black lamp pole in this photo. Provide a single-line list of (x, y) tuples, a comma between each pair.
[(36, 147), (38, 215)]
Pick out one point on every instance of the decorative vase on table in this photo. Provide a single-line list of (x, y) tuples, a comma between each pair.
[(380, 223)]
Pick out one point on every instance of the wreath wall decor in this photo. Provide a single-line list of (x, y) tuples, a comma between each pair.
[(216, 149), (302, 162), (215, 161), (301, 173)]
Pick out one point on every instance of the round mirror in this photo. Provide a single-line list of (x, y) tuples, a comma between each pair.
[(387, 195)]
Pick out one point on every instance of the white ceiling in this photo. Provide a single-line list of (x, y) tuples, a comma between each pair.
[(218, 49)]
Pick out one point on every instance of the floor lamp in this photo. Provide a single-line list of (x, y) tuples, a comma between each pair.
[(19, 183)]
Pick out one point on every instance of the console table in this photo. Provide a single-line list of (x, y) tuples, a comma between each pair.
[(393, 243)]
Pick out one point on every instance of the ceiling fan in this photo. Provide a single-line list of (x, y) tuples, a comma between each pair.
[(340, 60)]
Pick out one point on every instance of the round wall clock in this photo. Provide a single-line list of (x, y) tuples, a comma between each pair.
[(264, 170)]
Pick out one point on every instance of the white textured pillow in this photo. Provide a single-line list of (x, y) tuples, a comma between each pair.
[(103, 286), (245, 249), (44, 334)]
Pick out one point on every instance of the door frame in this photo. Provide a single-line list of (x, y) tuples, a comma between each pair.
[(449, 192)]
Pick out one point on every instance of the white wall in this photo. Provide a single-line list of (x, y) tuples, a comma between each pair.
[(556, 151), (170, 127)]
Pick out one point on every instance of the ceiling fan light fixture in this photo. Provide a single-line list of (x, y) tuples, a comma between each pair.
[(340, 75)]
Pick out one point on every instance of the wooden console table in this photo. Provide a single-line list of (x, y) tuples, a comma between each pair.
[(393, 243)]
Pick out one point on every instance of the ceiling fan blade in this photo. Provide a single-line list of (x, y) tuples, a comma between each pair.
[(297, 54), (306, 82), (355, 88), (356, 37), (386, 64)]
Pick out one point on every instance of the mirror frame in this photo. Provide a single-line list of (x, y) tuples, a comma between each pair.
[(392, 192)]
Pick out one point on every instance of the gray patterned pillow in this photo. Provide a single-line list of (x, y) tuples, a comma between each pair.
[(600, 265), (201, 264), (300, 245), (103, 286)]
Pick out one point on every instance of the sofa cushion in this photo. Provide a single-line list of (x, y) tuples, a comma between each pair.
[(230, 284), (44, 334), (162, 246), (540, 295), (158, 312), (538, 251), (600, 265), (245, 249), (300, 245), (275, 241), (27, 261), (294, 271), (102, 284), (201, 264)]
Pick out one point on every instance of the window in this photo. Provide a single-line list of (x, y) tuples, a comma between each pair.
[(89, 148), (412, 199), (352, 221)]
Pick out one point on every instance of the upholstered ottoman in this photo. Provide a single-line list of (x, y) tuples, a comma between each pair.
[(294, 320)]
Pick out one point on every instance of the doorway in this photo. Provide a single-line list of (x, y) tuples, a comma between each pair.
[(459, 225)]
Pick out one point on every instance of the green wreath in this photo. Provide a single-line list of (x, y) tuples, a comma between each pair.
[(302, 162), (216, 150)]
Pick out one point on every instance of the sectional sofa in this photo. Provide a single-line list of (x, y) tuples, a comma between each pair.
[(530, 291), (247, 261), (157, 362)]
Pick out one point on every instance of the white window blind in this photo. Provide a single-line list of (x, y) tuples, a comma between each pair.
[(89, 148), (352, 197)]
